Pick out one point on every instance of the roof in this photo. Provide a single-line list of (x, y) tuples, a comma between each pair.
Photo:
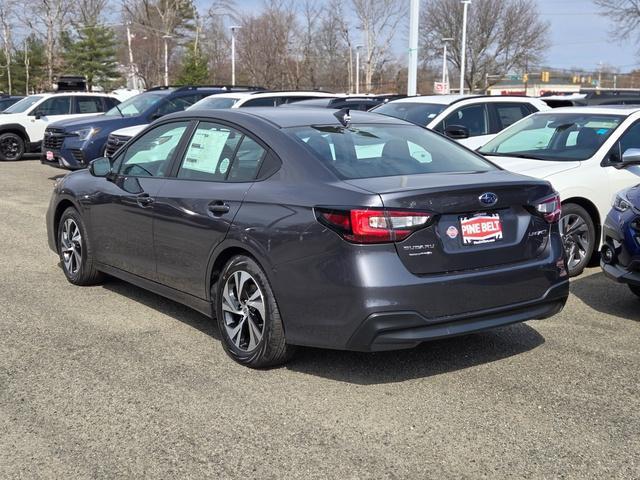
[(291, 117), (625, 110), (437, 99), (297, 93)]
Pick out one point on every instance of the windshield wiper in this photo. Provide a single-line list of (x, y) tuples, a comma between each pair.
[(119, 111), (514, 155)]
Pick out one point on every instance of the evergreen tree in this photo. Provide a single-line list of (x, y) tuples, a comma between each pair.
[(92, 54), (195, 70)]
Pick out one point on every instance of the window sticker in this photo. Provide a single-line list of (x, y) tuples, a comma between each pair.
[(205, 149)]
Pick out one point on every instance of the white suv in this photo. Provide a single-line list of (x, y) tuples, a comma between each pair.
[(473, 120), (22, 125)]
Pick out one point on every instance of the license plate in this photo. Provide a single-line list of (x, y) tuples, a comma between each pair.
[(481, 228), (49, 156)]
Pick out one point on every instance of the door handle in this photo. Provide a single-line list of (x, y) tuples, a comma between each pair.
[(144, 199), (219, 208)]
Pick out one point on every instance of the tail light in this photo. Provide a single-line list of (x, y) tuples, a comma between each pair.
[(373, 226), (550, 208)]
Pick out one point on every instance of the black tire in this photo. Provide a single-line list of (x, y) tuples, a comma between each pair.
[(82, 271), (271, 349), (579, 237), (635, 289), (11, 147)]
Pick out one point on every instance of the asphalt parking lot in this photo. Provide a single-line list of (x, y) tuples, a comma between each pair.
[(115, 382)]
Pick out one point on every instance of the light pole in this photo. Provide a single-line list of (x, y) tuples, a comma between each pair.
[(412, 74), (445, 41), (233, 54), (166, 58), (463, 53), (358, 69)]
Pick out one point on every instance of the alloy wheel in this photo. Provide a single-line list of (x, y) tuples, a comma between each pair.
[(576, 239), (243, 307), (10, 148), (71, 246)]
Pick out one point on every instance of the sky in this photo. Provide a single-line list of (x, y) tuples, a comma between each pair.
[(579, 36)]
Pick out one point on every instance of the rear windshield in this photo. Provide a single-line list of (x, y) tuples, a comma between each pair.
[(213, 102), (420, 113), (554, 136), (366, 151)]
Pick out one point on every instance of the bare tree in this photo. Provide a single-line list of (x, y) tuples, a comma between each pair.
[(625, 15), (378, 21), (6, 21), (501, 35)]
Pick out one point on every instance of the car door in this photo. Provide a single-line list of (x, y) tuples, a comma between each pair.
[(122, 211), (54, 108), (621, 178), (195, 209)]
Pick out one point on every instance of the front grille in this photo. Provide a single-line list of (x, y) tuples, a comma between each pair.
[(114, 142), (53, 138)]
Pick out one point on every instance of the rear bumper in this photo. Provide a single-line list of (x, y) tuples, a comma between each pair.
[(399, 330)]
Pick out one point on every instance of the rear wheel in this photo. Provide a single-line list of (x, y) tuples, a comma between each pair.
[(578, 237), (75, 250), (635, 289), (11, 147), (248, 316)]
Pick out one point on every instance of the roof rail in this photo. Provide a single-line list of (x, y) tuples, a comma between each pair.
[(296, 91), (195, 87)]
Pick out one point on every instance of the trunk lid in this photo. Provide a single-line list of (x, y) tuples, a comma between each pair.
[(467, 234)]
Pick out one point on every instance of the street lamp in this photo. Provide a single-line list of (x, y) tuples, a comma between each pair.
[(412, 73), (445, 41), (463, 54), (166, 58), (233, 53), (358, 47)]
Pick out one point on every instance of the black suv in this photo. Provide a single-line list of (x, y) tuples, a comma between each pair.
[(73, 143)]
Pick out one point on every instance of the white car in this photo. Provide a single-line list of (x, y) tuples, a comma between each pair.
[(587, 153), (472, 120), (224, 100), (23, 124)]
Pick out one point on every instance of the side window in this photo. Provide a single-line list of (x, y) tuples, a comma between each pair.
[(109, 103), (509, 113), (210, 152), (629, 139), (88, 104), (473, 117), (260, 102), (177, 104), (55, 106), (246, 165), (151, 154)]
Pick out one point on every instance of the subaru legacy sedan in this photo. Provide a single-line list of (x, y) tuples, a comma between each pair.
[(314, 227)]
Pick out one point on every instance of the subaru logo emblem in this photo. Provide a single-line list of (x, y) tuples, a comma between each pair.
[(488, 199)]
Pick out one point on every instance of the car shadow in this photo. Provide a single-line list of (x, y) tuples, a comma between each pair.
[(163, 305), (426, 360), (606, 296), (431, 358)]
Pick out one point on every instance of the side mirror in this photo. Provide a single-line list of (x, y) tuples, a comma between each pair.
[(631, 156), (101, 167), (457, 132)]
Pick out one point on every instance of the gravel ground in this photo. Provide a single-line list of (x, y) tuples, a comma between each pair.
[(115, 382)]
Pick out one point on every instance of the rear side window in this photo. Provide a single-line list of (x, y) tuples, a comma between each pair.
[(365, 151), (88, 104), (210, 152), (260, 102), (509, 113), (247, 163)]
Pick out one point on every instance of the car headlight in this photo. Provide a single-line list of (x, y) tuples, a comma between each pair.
[(85, 133), (621, 203)]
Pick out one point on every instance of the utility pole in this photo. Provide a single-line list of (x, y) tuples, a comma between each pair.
[(412, 74), (166, 58), (463, 51), (132, 68), (233, 54), (445, 76), (599, 74), (358, 47)]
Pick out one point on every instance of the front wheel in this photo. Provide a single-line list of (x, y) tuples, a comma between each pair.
[(635, 289), (75, 250), (11, 147), (248, 316), (578, 237)]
